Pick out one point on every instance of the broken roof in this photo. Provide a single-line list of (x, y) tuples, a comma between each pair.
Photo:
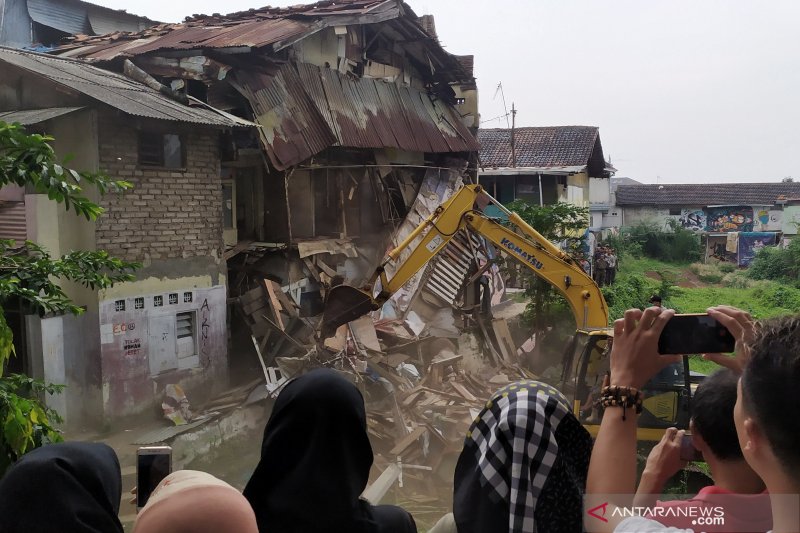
[(304, 109), (705, 194), (269, 28), (542, 147), (79, 17), (115, 90)]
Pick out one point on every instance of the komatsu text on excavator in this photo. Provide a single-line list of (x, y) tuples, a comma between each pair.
[(585, 360)]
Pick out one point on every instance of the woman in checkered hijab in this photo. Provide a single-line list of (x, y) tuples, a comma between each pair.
[(524, 464)]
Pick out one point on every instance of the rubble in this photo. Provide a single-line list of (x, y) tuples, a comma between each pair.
[(420, 398)]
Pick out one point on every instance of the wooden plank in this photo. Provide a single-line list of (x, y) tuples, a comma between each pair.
[(504, 339), (240, 247), (285, 335), (276, 305), (255, 307), (364, 331), (287, 303), (312, 268), (407, 441), (325, 268), (375, 492), (462, 390)]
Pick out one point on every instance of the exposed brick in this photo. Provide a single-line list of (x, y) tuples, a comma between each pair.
[(168, 214)]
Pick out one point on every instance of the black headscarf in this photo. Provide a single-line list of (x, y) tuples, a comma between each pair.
[(315, 462), (524, 464), (70, 487)]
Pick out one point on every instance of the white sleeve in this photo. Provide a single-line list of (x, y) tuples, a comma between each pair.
[(637, 524)]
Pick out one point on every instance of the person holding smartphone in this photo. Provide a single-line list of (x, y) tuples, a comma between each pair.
[(737, 488), (768, 360)]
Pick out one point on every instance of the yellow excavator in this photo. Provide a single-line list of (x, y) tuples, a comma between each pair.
[(585, 360)]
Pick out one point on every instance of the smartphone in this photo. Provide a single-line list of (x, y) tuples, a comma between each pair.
[(153, 463), (688, 451), (693, 334)]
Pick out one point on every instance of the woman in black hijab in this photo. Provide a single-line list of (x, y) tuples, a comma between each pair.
[(70, 487), (315, 462), (524, 464)]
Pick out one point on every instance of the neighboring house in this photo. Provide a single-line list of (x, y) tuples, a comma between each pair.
[(546, 165), (755, 212), (359, 110), (44, 23), (168, 326)]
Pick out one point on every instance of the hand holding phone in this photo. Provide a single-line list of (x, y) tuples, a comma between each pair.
[(153, 464), (695, 334), (688, 451)]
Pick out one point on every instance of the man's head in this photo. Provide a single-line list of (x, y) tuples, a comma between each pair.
[(767, 422), (655, 300), (712, 416)]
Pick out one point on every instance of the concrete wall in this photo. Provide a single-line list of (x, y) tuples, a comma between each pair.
[(600, 191)]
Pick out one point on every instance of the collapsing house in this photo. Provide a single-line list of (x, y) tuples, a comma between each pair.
[(366, 124)]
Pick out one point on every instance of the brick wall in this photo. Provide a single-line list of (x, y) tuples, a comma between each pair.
[(169, 214)]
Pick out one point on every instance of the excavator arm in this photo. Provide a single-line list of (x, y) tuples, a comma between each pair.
[(545, 260)]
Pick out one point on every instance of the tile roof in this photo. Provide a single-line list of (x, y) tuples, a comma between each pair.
[(705, 194), (555, 146), (115, 90)]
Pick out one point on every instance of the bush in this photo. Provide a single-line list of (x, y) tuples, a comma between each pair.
[(676, 246), (726, 268), (707, 273), (737, 280), (779, 264)]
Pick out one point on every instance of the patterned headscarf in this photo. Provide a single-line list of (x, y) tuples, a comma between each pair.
[(524, 464)]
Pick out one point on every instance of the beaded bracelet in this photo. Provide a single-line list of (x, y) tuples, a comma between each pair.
[(624, 397)]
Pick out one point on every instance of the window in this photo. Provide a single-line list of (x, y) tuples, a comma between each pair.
[(674, 212), (164, 150), (173, 298), (186, 339), (158, 301), (138, 303), (187, 297), (119, 305)]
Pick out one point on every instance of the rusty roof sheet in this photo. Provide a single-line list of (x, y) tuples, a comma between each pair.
[(116, 90), (254, 28), (303, 109), (188, 36)]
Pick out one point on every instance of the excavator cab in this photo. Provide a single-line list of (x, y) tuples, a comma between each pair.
[(586, 361)]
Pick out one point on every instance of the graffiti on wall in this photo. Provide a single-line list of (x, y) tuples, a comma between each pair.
[(724, 219), (693, 219), (751, 242), (205, 326), (132, 347)]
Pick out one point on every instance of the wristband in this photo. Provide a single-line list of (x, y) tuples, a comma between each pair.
[(625, 397)]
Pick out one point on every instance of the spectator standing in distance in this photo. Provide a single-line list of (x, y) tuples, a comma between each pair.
[(611, 267), (655, 300), (600, 266)]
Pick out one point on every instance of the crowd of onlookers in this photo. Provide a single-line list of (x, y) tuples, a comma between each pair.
[(527, 464), (605, 266)]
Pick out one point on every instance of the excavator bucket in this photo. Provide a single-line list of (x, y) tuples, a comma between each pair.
[(343, 304)]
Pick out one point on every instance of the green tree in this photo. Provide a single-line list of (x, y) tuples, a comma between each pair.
[(28, 274), (559, 222)]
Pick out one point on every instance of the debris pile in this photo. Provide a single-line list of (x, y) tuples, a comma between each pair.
[(421, 391)]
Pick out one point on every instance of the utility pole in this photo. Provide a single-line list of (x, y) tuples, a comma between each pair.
[(513, 147)]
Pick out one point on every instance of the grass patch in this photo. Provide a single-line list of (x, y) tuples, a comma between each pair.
[(698, 364)]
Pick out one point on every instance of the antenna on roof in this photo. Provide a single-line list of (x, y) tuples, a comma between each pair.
[(503, 96)]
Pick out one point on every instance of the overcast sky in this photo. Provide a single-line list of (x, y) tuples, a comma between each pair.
[(682, 90)]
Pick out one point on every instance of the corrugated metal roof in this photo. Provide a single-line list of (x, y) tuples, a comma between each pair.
[(114, 89), (66, 16), (103, 20), (303, 109), (35, 116)]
